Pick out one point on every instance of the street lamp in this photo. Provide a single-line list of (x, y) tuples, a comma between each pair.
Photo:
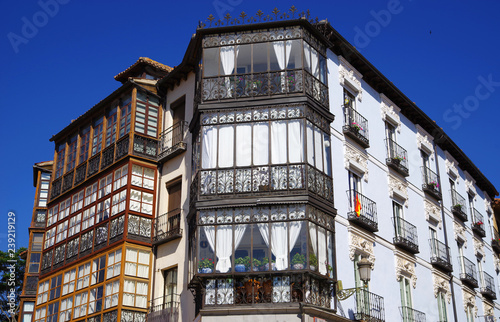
[(364, 270)]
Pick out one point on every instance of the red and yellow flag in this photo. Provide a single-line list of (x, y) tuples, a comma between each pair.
[(357, 207)]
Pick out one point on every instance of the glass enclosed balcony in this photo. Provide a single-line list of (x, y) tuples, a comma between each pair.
[(356, 127), (362, 211), (397, 157), (431, 183), (405, 235), (458, 206)]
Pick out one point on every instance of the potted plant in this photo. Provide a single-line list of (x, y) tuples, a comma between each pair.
[(256, 264), (398, 159), (298, 261), (457, 207), (356, 127), (329, 269), (313, 261), (479, 224), (265, 264), (434, 185), (206, 265), (240, 264)]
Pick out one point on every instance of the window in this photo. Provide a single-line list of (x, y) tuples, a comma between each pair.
[(425, 159), (349, 100), (390, 132), (81, 301), (174, 203), (101, 234), (95, 299), (125, 115), (83, 276), (105, 185), (97, 137), (143, 177), (88, 218), (452, 185), (28, 308), (98, 266), (43, 292), (87, 241), (64, 208), (119, 202), (399, 225), (170, 284), (137, 263), (471, 206), (354, 182), (77, 202), (74, 225), (66, 307), (69, 282), (44, 189), (178, 110), (120, 177), (114, 264), (146, 114), (111, 126), (40, 314), (90, 194), (135, 293), (55, 287), (102, 212), (406, 300), (139, 226), (141, 201), (84, 144), (443, 315), (34, 263), (52, 312), (61, 149), (50, 237), (36, 242), (71, 158), (470, 313), (111, 298), (62, 231), (117, 226), (52, 217), (72, 248)]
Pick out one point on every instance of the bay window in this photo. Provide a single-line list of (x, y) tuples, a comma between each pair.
[(146, 114), (135, 293), (61, 149), (120, 177), (111, 126), (84, 144), (71, 158), (97, 137), (125, 115)]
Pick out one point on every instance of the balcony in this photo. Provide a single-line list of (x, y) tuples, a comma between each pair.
[(366, 216), (405, 235), (458, 207), (440, 255), (397, 158), (265, 84), (172, 141), (410, 315), (488, 286), (164, 309), (495, 241), (167, 227), (356, 127), (478, 223), (431, 183), (468, 272), (369, 306)]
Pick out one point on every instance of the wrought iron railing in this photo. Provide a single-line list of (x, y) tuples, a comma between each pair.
[(477, 222), (488, 285), (369, 306), (108, 155), (397, 157), (411, 315), (467, 271), (167, 226), (458, 206), (264, 84), (405, 235), (362, 210), (164, 309), (356, 124), (68, 180), (431, 182), (172, 139), (440, 254), (145, 146)]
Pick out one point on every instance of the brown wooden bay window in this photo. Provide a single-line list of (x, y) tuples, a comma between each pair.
[(125, 115), (146, 114), (84, 144), (111, 123), (97, 137)]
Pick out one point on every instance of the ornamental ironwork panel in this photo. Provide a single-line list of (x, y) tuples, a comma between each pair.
[(369, 306), (405, 235), (468, 271), (362, 210), (488, 286), (397, 157), (68, 180), (94, 165), (31, 285), (80, 173), (167, 226), (356, 126), (110, 316), (164, 309), (72, 248), (409, 314), (87, 240), (146, 147), (172, 139), (440, 255), (117, 226), (478, 223), (122, 147), (56, 188), (107, 156), (431, 183)]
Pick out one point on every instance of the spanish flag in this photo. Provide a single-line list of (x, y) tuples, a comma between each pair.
[(357, 207)]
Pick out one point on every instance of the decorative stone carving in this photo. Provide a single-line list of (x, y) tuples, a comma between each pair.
[(451, 165), (487, 204), (441, 284), (469, 300), (488, 309), (405, 267), (349, 75), (390, 111), (470, 183), (424, 141), (479, 248), (361, 245), (398, 188), (460, 233), (432, 211), (355, 159), (496, 261)]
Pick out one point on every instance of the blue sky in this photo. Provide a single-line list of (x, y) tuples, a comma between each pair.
[(60, 61)]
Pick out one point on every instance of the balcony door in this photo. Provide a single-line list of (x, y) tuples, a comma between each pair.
[(406, 300), (174, 204), (362, 293), (170, 300), (461, 256), (397, 210), (434, 244)]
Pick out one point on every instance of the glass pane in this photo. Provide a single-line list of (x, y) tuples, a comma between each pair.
[(260, 251), (206, 256), (260, 57), (298, 245), (277, 55), (294, 58), (244, 59), (226, 146), (260, 143), (244, 145), (307, 57), (211, 62), (242, 247)]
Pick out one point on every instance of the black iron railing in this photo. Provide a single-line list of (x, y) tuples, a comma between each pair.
[(488, 285), (172, 140), (145, 146), (458, 206), (440, 255), (478, 223), (397, 157), (356, 126), (369, 306), (405, 235), (411, 315), (468, 271), (431, 183), (164, 309), (362, 210), (167, 226)]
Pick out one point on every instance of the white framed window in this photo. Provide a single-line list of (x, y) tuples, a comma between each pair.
[(406, 299), (64, 208), (28, 308), (90, 194), (443, 314), (77, 202), (105, 186), (69, 282), (40, 314), (111, 297), (95, 299), (141, 201), (88, 218), (119, 202), (114, 264), (83, 276), (65, 311), (52, 216), (50, 237), (142, 177), (102, 212), (62, 231), (43, 292), (135, 293), (120, 177), (74, 224), (137, 263), (81, 301), (98, 266)]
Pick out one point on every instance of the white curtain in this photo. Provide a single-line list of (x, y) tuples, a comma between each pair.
[(314, 63), (295, 141), (310, 143), (330, 249), (279, 246), (318, 147), (313, 238), (278, 142), (227, 59), (322, 250), (295, 227), (261, 143), (279, 50), (307, 56), (327, 156), (226, 146), (224, 243), (243, 145), (209, 147)]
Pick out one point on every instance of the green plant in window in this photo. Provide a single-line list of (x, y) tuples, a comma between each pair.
[(206, 263), (313, 260), (298, 259)]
